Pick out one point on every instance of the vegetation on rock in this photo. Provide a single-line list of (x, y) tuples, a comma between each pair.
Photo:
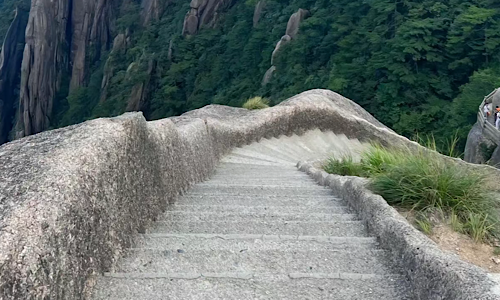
[(425, 183), (256, 103)]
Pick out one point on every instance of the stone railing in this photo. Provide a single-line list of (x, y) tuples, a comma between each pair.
[(489, 130)]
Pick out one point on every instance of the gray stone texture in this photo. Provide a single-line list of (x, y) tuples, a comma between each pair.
[(432, 273)]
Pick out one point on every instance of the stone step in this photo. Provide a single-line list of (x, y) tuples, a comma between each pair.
[(309, 190), (258, 200), (333, 209), (330, 228), (296, 286), (258, 181), (275, 151), (254, 242), (247, 161), (244, 260), (229, 167), (248, 152), (175, 216)]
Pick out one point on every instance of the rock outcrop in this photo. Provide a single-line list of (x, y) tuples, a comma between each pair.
[(259, 7), (10, 65), (283, 41), (91, 28), (53, 27), (140, 92), (292, 29), (476, 145), (151, 10), (44, 63), (268, 75), (203, 13), (482, 144), (119, 44)]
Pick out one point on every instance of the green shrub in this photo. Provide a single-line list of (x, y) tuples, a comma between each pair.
[(346, 166), (256, 103)]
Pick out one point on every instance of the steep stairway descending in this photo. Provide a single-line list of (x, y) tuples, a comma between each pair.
[(259, 229)]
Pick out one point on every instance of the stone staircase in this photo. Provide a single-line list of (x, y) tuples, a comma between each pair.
[(259, 229)]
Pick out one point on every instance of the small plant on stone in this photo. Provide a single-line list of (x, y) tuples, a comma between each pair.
[(256, 103)]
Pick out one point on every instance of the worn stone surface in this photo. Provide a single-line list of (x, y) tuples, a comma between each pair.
[(70, 199), (10, 66), (433, 274)]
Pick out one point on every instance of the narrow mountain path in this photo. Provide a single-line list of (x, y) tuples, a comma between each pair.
[(259, 229)]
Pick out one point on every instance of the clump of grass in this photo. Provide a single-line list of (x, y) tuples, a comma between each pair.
[(345, 166), (422, 181), (256, 103)]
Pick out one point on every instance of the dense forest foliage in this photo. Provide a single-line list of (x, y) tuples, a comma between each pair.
[(419, 66)]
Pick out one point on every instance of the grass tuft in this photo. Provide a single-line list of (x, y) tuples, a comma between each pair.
[(345, 166), (422, 181), (256, 103)]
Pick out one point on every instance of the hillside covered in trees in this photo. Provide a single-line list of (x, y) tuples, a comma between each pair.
[(420, 67)]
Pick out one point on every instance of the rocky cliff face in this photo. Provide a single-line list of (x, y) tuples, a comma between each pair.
[(292, 29), (10, 64), (58, 37), (91, 27), (151, 10), (203, 12), (44, 61)]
